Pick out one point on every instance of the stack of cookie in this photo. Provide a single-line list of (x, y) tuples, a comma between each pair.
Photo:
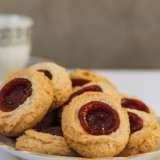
[(81, 114)]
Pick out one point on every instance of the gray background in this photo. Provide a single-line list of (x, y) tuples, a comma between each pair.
[(94, 33)]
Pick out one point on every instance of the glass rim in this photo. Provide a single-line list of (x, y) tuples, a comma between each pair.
[(12, 20)]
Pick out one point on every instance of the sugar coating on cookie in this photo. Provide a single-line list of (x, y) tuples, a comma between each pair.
[(97, 144), (80, 77), (44, 143), (60, 79), (145, 139), (32, 109)]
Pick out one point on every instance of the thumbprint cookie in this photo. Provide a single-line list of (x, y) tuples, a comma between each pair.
[(60, 78), (92, 87), (47, 120), (25, 98), (80, 77), (133, 103), (45, 141), (106, 88), (97, 126), (144, 133)]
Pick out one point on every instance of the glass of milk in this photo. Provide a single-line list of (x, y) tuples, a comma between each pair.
[(15, 43)]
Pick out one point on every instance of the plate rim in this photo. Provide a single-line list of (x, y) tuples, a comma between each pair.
[(81, 158)]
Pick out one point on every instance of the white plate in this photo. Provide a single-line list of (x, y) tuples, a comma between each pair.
[(8, 144)]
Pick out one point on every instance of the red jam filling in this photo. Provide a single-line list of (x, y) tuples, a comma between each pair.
[(93, 88), (98, 118), (14, 94), (53, 131), (47, 73), (79, 82), (136, 123), (134, 104)]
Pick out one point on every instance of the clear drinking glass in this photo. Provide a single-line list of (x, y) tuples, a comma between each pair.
[(15, 43)]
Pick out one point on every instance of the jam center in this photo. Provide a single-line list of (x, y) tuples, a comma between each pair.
[(93, 88), (14, 94), (79, 82), (134, 104), (101, 117), (136, 122), (47, 73), (98, 118), (53, 131)]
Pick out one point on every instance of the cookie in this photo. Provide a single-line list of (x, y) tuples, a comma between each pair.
[(47, 120), (97, 126), (76, 88), (80, 77), (134, 103), (52, 143), (92, 86), (60, 78), (145, 133), (25, 98), (106, 88)]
